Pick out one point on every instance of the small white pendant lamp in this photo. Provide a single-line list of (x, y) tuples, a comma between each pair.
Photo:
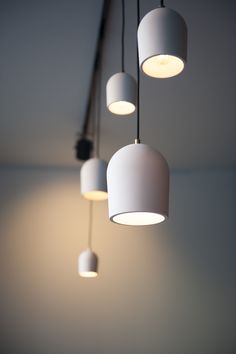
[(88, 264), (121, 87), (88, 260), (93, 183), (121, 94), (138, 181), (162, 43)]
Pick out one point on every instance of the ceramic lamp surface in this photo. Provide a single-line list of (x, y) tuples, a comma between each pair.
[(138, 186), (121, 94), (88, 264), (162, 43), (93, 182)]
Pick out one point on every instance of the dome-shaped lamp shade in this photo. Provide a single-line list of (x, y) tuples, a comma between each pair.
[(93, 182), (138, 186), (162, 43), (88, 264), (121, 94)]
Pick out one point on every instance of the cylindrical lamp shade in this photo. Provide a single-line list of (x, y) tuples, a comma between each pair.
[(88, 264), (162, 43), (121, 94), (138, 186), (93, 182)]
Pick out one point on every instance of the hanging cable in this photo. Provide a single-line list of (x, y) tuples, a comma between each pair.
[(123, 37), (90, 224), (162, 3), (137, 140), (97, 119), (92, 117)]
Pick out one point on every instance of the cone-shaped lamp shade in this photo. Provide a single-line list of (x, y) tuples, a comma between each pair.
[(162, 43), (88, 264), (138, 186), (93, 182), (121, 94)]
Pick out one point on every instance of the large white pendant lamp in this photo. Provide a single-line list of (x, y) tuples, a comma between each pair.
[(88, 260), (162, 43), (138, 186), (138, 181), (121, 87)]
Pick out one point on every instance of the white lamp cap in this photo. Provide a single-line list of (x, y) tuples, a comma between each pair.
[(121, 94), (138, 186), (93, 182)]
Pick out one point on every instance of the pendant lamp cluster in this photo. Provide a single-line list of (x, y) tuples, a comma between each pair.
[(137, 174), (136, 180)]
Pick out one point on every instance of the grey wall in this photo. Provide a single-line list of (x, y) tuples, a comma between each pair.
[(166, 289)]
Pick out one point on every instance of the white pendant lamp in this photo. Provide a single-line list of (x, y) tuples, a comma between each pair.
[(88, 264), (162, 43), (88, 260), (121, 94), (121, 87), (138, 186), (138, 181), (93, 182)]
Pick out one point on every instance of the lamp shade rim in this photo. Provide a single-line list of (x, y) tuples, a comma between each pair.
[(121, 113), (184, 62), (159, 218), (88, 274)]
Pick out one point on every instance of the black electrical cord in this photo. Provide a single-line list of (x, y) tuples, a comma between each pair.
[(162, 3), (97, 122), (123, 37), (138, 81)]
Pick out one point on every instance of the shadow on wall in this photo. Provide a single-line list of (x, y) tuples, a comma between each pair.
[(168, 288)]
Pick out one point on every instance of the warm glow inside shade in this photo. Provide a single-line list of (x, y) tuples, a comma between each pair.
[(121, 92), (163, 66), (121, 108), (162, 43), (138, 218), (88, 274), (95, 195), (138, 186), (93, 183)]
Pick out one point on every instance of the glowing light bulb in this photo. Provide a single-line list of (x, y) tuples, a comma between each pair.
[(163, 59)]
